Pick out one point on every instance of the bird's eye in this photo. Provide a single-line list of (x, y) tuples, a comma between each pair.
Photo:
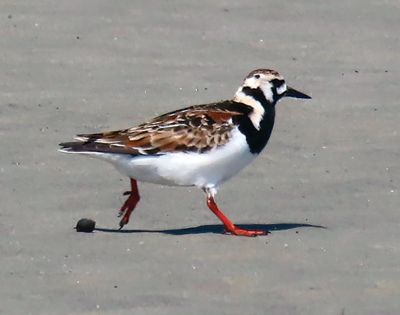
[(257, 76)]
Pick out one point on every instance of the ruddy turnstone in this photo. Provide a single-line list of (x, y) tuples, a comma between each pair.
[(201, 145)]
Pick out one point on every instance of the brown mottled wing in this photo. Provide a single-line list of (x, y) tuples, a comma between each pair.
[(194, 129)]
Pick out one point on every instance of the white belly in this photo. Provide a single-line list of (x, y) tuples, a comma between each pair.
[(206, 170)]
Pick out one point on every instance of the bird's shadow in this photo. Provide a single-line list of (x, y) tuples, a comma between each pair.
[(216, 228)]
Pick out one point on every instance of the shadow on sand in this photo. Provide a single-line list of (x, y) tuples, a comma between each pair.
[(217, 228)]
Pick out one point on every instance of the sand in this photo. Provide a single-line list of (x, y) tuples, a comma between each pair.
[(70, 67)]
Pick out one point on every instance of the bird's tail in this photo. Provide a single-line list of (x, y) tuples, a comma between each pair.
[(72, 147)]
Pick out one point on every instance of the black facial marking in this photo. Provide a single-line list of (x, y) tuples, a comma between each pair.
[(277, 83), (257, 94)]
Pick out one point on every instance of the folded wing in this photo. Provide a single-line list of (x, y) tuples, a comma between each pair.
[(194, 129)]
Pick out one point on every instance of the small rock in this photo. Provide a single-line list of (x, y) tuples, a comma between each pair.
[(85, 225)]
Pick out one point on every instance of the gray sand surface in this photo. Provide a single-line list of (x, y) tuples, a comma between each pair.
[(70, 67)]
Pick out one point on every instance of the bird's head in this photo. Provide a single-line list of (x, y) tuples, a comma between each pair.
[(266, 87), (261, 89)]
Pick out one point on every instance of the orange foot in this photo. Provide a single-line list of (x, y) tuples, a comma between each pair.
[(229, 226), (243, 232), (129, 205)]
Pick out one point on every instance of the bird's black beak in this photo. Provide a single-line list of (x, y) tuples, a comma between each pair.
[(290, 92)]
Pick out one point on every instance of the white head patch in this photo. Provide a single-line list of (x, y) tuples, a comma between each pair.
[(282, 89), (266, 87)]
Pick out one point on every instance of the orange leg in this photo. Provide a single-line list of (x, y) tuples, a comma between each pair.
[(229, 226), (130, 204)]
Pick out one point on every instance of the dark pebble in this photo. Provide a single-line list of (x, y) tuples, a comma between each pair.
[(85, 225)]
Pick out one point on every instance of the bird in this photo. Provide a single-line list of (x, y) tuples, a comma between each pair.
[(200, 145)]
